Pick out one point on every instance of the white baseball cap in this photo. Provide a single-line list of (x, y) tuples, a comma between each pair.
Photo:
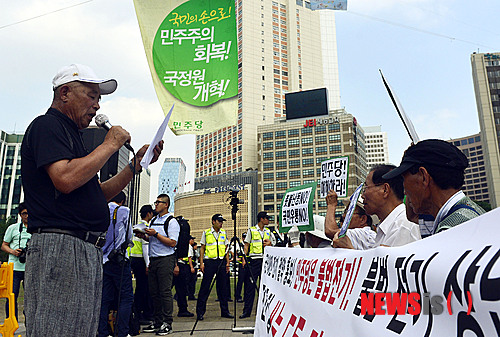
[(319, 227), (82, 73)]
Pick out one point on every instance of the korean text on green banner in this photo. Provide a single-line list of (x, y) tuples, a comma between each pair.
[(340, 5), (334, 176), (192, 52), (297, 208)]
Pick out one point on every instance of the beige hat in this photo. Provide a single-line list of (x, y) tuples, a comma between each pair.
[(82, 73), (319, 227)]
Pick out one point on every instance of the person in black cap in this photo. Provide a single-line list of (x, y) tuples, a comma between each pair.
[(181, 281), (193, 277), (214, 262), (257, 238), (433, 173)]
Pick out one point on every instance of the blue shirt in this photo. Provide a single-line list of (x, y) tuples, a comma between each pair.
[(156, 247), (116, 234)]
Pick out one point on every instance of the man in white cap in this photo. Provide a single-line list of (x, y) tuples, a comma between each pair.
[(360, 231), (317, 238), (68, 206), (314, 239)]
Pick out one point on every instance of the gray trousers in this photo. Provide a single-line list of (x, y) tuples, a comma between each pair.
[(160, 277), (63, 282)]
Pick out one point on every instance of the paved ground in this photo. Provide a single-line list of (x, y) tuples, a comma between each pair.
[(212, 326), (183, 327)]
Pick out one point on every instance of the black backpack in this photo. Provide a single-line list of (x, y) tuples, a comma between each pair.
[(182, 246)]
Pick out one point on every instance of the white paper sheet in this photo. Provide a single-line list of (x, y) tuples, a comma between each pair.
[(148, 156)]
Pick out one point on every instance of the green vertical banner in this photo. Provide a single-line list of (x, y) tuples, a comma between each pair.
[(192, 52)]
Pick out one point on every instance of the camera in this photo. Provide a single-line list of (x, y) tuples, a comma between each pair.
[(22, 256), (117, 256)]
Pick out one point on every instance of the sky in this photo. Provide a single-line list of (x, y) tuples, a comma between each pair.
[(423, 48)]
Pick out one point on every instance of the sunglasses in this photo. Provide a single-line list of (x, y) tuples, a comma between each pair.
[(160, 202)]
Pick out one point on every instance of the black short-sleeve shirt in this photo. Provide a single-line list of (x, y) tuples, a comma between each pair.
[(50, 138)]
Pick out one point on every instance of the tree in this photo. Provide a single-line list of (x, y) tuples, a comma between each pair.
[(4, 257), (484, 205)]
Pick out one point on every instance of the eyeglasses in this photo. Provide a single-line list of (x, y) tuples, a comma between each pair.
[(160, 202), (24, 213), (368, 186)]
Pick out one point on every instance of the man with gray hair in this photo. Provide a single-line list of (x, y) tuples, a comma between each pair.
[(384, 198), (433, 173), (68, 206)]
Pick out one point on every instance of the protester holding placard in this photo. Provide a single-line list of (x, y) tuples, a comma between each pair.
[(360, 230), (384, 198), (433, 173), (317, 238)]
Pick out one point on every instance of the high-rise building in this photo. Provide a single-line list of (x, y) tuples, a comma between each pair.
[(199, 205), (145, 188), (172, 178), (233, 182), (93, 136), (476, 186), (11, 191), (283, 46), (377, 148), (291, 152), (486, 77), (142, 187)]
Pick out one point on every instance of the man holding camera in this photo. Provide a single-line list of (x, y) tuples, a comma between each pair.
[(14, 242), (117, 277)]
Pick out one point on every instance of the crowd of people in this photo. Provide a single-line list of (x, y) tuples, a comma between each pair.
[(83, 251)]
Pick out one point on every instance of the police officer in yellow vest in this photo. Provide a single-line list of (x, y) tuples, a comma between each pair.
[(139, 261), (185, 267), (214, 261), (257, 238)]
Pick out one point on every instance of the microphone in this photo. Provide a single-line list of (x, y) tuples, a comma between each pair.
[(102, 121)]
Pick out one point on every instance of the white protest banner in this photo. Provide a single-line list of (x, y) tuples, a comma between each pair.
[(334, 176), (350, 210), (329, 4), (192, 51), (297, 208), (444, 285)]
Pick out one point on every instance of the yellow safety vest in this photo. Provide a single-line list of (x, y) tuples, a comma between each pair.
[(257, 241), (136, 250), (215, 248)]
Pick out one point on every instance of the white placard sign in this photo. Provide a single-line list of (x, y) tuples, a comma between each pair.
[(334, 173), (444, 285), (295, 208)]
